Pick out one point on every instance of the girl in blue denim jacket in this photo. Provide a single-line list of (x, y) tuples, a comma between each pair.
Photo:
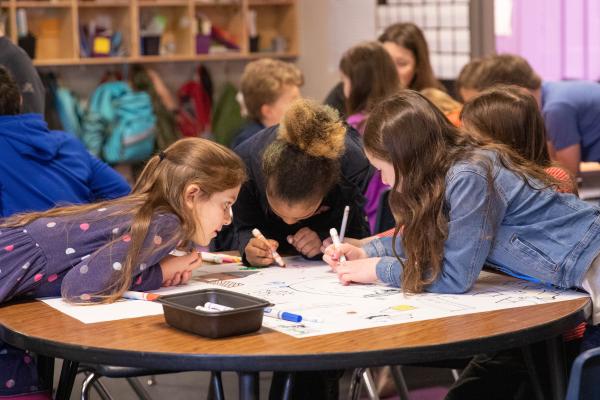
[(465, 202)]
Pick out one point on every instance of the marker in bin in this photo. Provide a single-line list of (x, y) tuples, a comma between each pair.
[(269, 311)]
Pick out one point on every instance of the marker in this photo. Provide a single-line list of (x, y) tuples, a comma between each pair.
[(275, 255), (269, 311), (133, 295), (336, 243), (284, 315), (210, 306), (220, 258), (210, 257), (344, 223)]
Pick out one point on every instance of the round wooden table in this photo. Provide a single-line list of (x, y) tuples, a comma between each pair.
[(150, 343)]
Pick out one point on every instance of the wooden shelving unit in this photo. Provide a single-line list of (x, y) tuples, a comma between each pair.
[(56, 27)]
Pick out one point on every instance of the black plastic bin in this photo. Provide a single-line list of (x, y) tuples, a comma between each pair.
[(246, 316)]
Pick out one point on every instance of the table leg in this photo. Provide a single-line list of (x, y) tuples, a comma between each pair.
[(67, 378), (532, 372), (215, 390), (248, 383), (288, 386), (46, 371), (556, 365)]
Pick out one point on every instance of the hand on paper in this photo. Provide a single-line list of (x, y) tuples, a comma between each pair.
[(259, 254), (178, 270), (332, 256), (359, 271), (306, 242)]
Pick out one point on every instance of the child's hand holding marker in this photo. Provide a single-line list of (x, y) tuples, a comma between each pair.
[(333, 254), (336, 244), (261, 251)]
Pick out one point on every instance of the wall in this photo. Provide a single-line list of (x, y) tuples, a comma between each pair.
[(327, 29)]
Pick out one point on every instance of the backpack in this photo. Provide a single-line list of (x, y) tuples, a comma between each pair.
[(227, 118), (133, 130), (119, 124), (195, 103)]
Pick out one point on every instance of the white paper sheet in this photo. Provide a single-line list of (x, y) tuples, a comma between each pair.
[(313, 291), (121, 309)]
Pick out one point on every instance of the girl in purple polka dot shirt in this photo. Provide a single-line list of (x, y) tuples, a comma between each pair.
[(95, 252)]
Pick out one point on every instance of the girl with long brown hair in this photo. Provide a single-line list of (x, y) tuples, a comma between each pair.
[(95, 252), (525, 131), (369, 76), (464, 202)]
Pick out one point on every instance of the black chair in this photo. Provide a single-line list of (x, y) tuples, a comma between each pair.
[(585, 374)]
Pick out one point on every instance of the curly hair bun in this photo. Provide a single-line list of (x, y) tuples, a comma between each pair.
[(314, 129)]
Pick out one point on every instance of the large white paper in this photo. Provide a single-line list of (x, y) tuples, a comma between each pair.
[(121, 309), (313, 291)]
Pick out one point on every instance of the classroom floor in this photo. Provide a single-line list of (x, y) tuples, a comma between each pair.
[(423, 383)]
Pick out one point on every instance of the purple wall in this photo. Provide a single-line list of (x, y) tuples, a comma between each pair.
[(560, 38)]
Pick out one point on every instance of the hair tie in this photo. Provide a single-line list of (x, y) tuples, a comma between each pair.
[(162, 155)]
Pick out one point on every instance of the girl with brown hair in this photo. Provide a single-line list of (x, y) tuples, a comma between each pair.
[(407, 46), (464, 202), (369, 76), (524, 131), (95, 252)]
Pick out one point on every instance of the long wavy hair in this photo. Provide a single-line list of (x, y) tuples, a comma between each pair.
[(372, 74), (409, 132), (159, 189)]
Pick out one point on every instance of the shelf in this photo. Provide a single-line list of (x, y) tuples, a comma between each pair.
[(56, 25), (218, 3), (42, 4), (255, 3), (102, 4), (158, 59), (164, 3)]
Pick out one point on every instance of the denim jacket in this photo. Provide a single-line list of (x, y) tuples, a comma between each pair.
[(537, 233)]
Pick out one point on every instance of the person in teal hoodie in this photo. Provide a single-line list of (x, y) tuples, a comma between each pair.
[(40, 168)]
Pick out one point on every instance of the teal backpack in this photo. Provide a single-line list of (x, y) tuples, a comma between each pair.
[(119, 124)]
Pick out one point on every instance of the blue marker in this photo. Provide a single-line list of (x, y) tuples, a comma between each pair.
[(287, 316)]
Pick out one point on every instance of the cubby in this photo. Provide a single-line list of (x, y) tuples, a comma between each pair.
[(60, 29)]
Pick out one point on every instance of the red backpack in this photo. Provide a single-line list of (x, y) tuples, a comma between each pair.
[(195, 106)]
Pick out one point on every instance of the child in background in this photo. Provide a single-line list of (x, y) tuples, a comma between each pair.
[(95, 252), (524, 131), (369, 76), (407, 46), (268, 88), (40, 168), (442, 100), (569, 108), (447, 186)]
